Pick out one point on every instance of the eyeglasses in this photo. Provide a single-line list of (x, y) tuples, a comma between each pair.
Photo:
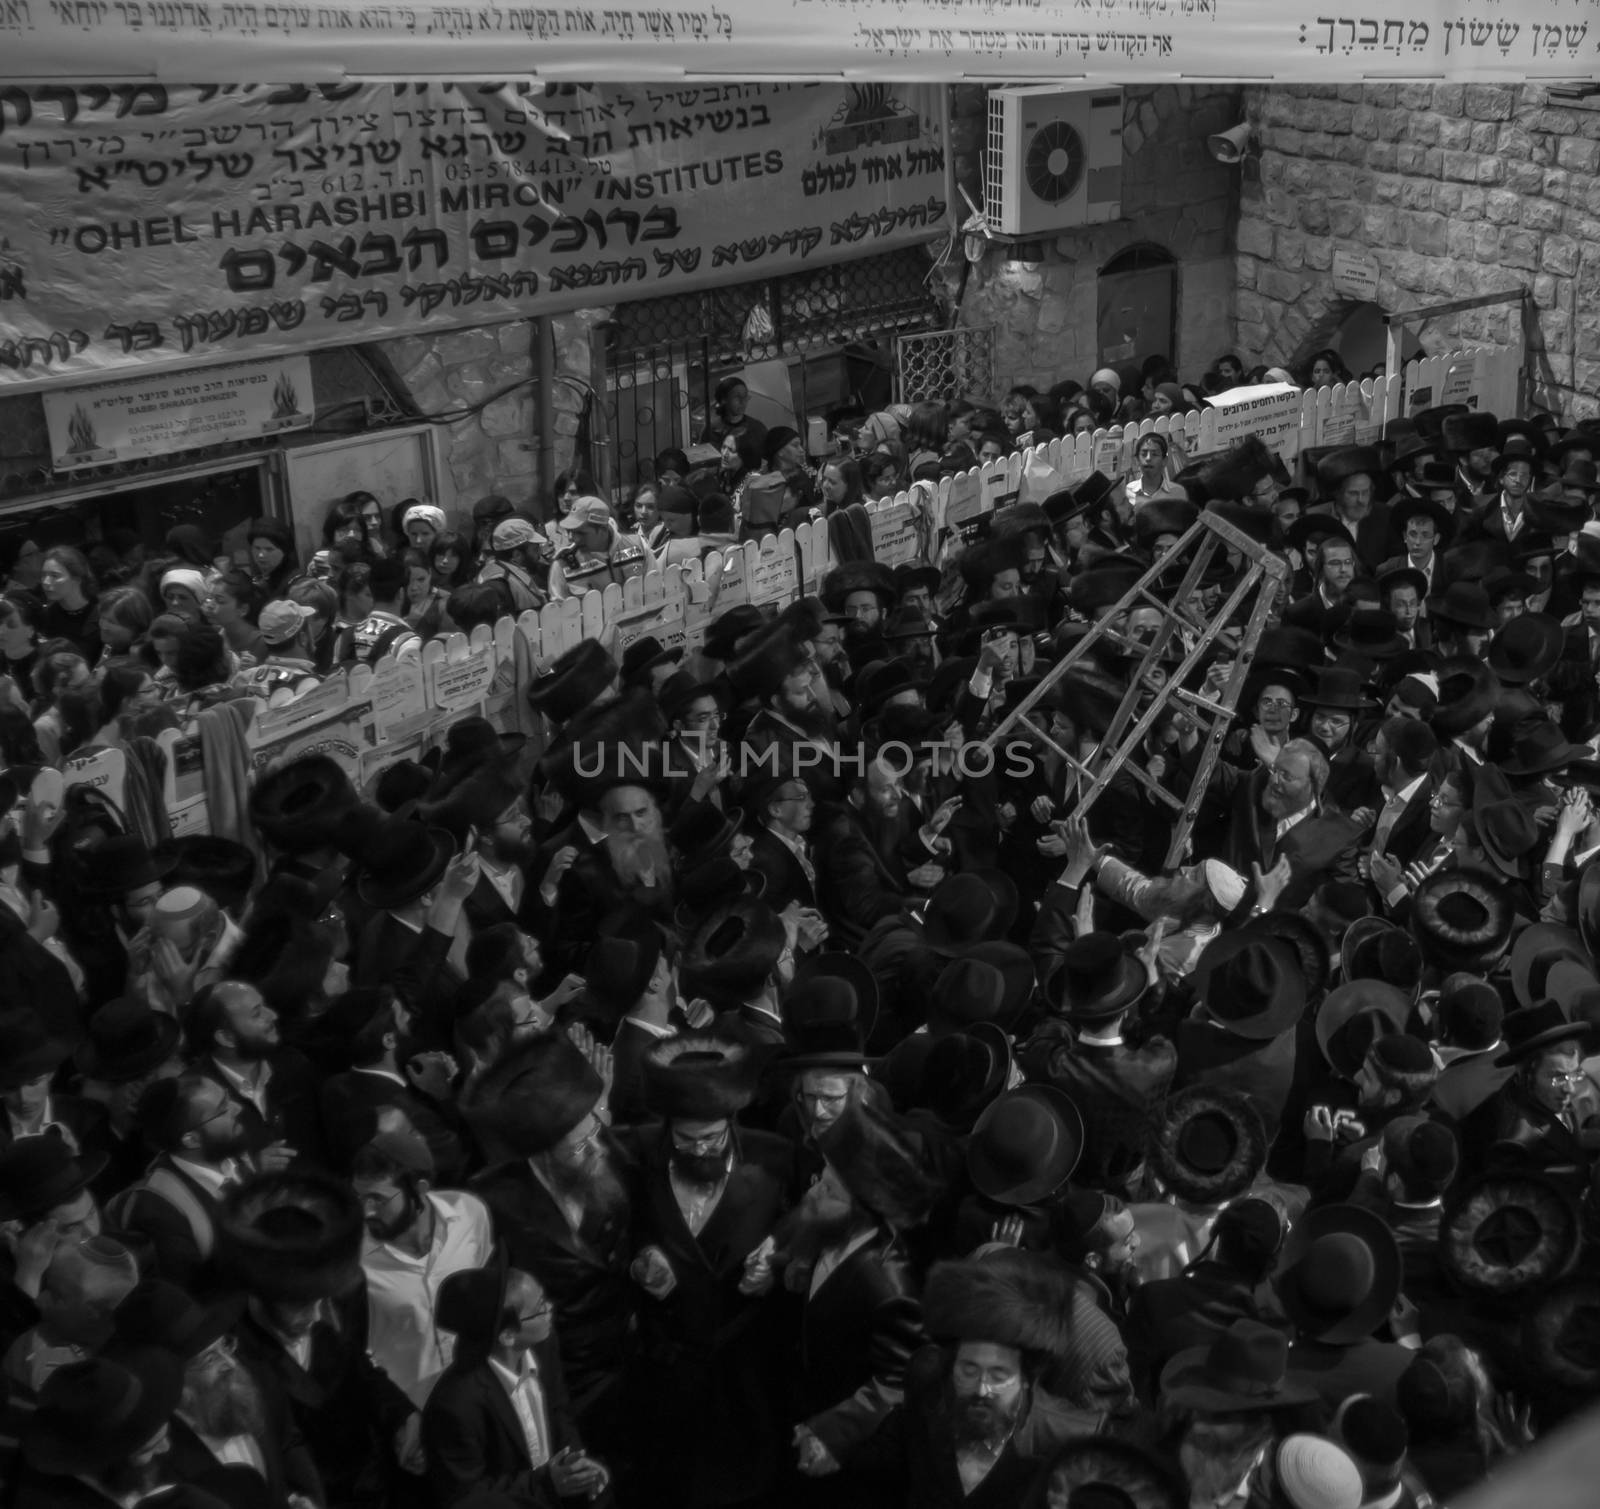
[(539, 1314), (1275, 702), (714, 1143), (1572, 1079)]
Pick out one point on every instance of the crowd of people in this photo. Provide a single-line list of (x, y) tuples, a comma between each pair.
[(764, 1087)]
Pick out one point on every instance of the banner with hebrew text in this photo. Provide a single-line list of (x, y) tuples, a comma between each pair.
[(1092, 41), (164, 225)]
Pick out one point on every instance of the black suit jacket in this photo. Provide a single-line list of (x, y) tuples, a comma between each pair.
[(786, 881), (1191, 1310), (183, 1255), (291, 1101), (474, 1440), (586, 1278), (289, 1468)]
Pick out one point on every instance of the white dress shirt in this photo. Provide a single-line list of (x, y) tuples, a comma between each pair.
[(527, 1399), (402, 1290)]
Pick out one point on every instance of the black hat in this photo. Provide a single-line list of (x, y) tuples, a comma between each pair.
[(155, 1313), (126, 1040), (698, 1076), (1317, 527), (1340, 690), (762, 665), (1341, 1275), (574, 681), (39, 1173), (735, 949), (680, 689), (1371, 632), (123, 863), (1308, 941), (644, 655), (296, 806), (860, 576), (533, 1096), (701, 832), (94, 1413), (1251, 983), (727, 628), (911, 575), (1530, 1029), (402, 861), (1468, 693), (1462, 918), (1430, 421), (1469, 432), (1069, 502), (1536, 952), (1464, 604), (294, 1235), (1408, 506), (883, 1164), (961, 1074), (829, 1011), (1376, 1007), (1210, 1146), (1373, 948), (1243, 1370), (1025, 1146), (777, 437), (1096, 979), (967, 908), (1508, 1233), (223, 869), (1403, 576), (1101, 1472), (1006, 1297), (28, 1048), (1542, 750), (1561, 1336), (1526, 648), (1345, 462), (621, 960), (712, 884)]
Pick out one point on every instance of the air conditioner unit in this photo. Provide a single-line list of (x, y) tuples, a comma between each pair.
[(1054, 159)]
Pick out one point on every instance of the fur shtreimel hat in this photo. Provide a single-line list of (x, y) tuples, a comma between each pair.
[(859, 576), (698, 1076), (533, 1096), (294, 1235), (1009, 1298), (1234, 475)]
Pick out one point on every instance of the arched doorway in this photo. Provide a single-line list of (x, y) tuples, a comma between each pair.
[(1138, 306), (1362, 340)]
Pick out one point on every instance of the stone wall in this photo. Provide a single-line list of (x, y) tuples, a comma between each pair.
[(1455, 190), (1044, 313), (495, 448)]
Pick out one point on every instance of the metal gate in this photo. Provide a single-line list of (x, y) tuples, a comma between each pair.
[(834, 326), (945, 364)]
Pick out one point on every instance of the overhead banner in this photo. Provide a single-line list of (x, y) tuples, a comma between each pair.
[(1118, 41), (179, 411), (166, 225)]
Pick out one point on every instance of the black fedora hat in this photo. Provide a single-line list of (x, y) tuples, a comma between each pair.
[(1464, 604), (1403, 576), (402, 860), (1561, 1336), (729, 627), (574, 681), (1340, 690), (1314, 528), (1407, 507), (963, 1073), (156, 1313), (966, 992), (1291, 648), (1242, 1370), (1526, 648), (968, 908), (1341, 1274), (1505, 829), (1468, 693), (1372, 632), (1542, 750), (1373, 948), (28, 1048), (1210, 1145), (1308, 941), (715, 883), (701, 832), (1530, 1029), (1507, 1233), (680, 689), (1462, 918), (39, 1173), (644, 655), (1251, 983), (1377, 1006), (124, 863), (829, 1011), (126, 1040), (1025, 1146), (1537, 950), (621, 960), (296, 806), (1430, 421), (1096, 979), (221, 867), (94, 1413)]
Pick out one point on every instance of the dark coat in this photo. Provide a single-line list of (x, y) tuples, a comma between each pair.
[(586, 1277), (416, 964), (1319, 847), (348, 1101), (474, 1440), (858, 886), (786, 880), (288, 1464), (182, 1253), (1263, 1072), (1168, 1315), (291, 1099), (913, 1444), (344, 1405), (714, 1428), (1364, 1367), (857, 1333)]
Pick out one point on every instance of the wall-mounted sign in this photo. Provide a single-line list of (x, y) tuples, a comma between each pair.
[(1356, 273), (177, 411)]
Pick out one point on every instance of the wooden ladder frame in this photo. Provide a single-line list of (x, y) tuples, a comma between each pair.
[(1263, 576)]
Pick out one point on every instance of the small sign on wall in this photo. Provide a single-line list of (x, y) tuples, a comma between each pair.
[(1356, 273)]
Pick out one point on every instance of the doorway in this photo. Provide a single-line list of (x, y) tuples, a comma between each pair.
[(1138, 302)]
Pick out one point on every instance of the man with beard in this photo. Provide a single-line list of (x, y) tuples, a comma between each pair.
[(99, 1438), (873, 849), (234, 1041), (416, 1238), (199, 1131), (974, 1412), (1276, 814), (792, 729), (862, 593), (631, 865), (710, 1193), (556, 1189), (499, 1422), (223, 1418)]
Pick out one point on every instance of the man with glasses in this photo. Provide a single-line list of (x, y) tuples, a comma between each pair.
[(1545, 1115), (709, 1197)]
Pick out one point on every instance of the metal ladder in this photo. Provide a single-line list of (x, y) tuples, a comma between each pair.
[(1263, 576)]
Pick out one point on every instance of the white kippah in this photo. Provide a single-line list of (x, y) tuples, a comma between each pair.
[(1225, 884)]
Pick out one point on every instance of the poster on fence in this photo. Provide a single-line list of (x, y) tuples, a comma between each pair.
[(1116, 41), (167, 224), (1271, 412)]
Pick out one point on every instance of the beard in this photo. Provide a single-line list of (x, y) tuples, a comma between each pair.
[(591, 1181), (230, 1405), (703, 1170), (972, 1420), (387, 1231), (1214, 1470), (218, 1146), (803, 1235)]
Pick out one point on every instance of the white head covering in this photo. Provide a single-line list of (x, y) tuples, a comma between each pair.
[(1225, 883), (187, 577), (429, 513), (1106, 378)]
